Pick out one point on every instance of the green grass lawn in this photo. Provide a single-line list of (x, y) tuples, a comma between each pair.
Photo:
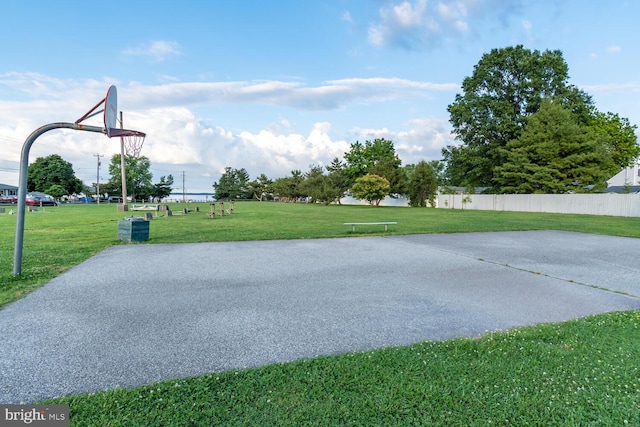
[(578, 373), (583, 372)]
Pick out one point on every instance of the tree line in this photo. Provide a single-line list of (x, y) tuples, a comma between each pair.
[(369, 171), (55, 176)]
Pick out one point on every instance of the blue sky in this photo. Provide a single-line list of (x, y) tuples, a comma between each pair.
[(280, 85)]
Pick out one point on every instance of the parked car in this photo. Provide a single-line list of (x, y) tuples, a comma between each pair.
[(40, 199), (115, 199), (86, 199), (9, 200)]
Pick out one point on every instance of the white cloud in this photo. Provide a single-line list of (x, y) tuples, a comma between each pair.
[(181, 138), (402, 24), (455, 14), (157, 50), (614, 49), (405, 14), (608, 89), (330, 95), (416, 24)]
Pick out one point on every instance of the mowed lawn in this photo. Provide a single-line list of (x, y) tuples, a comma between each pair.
[(583, 372)]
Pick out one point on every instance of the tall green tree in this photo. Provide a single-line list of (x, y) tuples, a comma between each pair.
[(290, 187), (138, 177), (233, 184), (361, 159), (506, 86), (260, 188), (619, 138), (338, 178), (556, 153), (52, 170), (372, 188), (163, 188), (422, 185), (320, 187), (391, 170)]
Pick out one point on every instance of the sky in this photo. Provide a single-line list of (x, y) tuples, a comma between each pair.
[(273, 86)]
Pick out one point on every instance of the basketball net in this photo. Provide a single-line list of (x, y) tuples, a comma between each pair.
[(133, 143)]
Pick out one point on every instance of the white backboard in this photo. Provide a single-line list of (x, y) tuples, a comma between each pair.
[(111, 111)]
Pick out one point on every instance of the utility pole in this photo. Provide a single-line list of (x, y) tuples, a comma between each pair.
[(97, 155), (183, 193)]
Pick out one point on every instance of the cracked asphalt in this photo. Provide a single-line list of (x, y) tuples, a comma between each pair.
[(141, 313)]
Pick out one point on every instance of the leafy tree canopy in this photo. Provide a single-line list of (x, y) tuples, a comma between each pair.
[(506, 87), (555, 153), (56, 191), (138, 176), (372, 188), (619, 139), (338, 178), (260, 188), (52, 170), (320, 187), (233, 184), (162, 188), (361, 159), (422, 185), (290, 187)]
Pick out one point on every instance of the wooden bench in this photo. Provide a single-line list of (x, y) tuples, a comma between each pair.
[(386, 224)]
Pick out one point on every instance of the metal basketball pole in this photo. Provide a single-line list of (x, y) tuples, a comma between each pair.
[(123, 172), (22, 183)]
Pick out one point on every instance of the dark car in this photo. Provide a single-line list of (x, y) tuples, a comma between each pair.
[(40, 200)]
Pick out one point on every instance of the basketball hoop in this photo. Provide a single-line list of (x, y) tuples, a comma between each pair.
[(133, 142)]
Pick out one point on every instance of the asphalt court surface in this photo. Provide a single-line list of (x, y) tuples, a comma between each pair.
[(137, 314)]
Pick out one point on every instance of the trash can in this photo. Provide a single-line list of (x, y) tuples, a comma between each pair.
[(133, 229)]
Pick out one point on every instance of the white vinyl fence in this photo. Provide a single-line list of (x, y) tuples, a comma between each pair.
[(594, 204)]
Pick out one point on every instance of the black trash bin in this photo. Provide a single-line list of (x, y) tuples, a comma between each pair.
[(133, 229)]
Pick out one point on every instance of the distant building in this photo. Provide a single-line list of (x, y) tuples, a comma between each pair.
[(8, 190), (627, 177), (626, 181)]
